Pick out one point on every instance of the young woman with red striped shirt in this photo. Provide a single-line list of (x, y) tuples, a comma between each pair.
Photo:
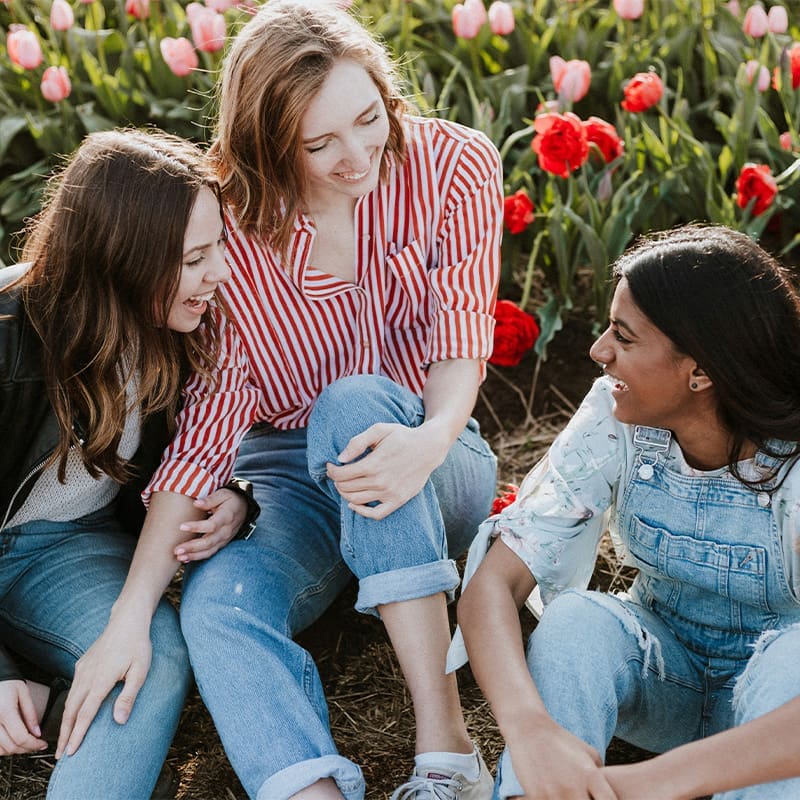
[(364, 251)]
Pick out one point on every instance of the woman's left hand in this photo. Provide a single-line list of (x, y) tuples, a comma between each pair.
[(122, 653), (226, 511), (399, 462)]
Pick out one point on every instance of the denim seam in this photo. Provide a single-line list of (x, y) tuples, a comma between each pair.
[(47, 637)]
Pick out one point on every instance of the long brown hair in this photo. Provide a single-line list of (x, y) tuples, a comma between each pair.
[(276, 64), (105, 258)]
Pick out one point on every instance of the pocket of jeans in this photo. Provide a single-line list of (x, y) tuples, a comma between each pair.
[(737, 572)]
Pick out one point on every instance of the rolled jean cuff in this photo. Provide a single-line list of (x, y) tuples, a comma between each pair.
[(291, 780), (506, 785), (408, 583)]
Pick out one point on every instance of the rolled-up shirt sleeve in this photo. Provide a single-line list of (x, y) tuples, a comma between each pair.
[(556, 522), (215, 416), (463, 282)]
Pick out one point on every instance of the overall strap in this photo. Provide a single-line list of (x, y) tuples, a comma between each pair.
[(651, 445)]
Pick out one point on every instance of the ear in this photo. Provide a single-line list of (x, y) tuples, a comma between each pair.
[(698, 380)]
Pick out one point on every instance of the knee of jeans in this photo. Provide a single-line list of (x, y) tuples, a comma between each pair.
[(770, 678), (579, 627), (349, 406)]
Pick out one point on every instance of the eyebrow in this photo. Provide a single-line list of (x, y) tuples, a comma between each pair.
[(371, 107)]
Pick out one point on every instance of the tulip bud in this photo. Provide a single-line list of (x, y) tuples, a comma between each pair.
[(629, 9), (61, 16), (178, 55), (755, 22), (501, 18), (23, 48), (55, 84), (778, 20)]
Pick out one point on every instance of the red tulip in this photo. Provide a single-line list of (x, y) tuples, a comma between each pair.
[(517, 211), (755, 22), (501, 18), (179, 55), (756, 181), (515, 332), (604, 136), (207, 26), (571, 79), (643, 91), (61, 15), (23, 47), (55, 84), (560, 143), (505, 499), (786, 141)]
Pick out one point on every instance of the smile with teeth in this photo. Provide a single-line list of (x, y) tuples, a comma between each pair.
[(354, 177), (619, 385), (199, 299)]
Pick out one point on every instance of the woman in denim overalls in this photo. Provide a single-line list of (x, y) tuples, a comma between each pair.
[(686, 450)]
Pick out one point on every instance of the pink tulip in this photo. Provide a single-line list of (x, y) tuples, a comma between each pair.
[(734, 8), (778, 20), (753, 71), (477, 9), (755, 22), (55, 84), (501, 18), (629, 9), (179, 55), (571, 79), (208, 27), (786, 141), (466, 24), (220, 5), (87, 2), (61, 16), (138, 8), (23, 48)]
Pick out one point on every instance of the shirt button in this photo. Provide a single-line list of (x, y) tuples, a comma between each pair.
[(763, 499), (646, 472)]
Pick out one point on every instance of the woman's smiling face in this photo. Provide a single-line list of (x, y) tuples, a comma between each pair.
[(344, 133), (652, 379)]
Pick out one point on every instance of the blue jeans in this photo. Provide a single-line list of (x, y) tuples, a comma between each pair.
[(58, 581), (241, 608), (605, 667)]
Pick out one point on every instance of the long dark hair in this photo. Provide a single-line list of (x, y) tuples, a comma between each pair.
[(105, 259), (729, 305)]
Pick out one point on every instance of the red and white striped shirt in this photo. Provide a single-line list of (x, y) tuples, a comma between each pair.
[(426, 273)]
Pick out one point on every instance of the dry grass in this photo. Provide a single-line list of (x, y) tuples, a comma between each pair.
[(370, 709)]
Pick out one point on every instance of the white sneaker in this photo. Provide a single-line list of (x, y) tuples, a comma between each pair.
[(441, 784)]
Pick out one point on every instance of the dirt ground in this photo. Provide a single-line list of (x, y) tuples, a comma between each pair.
[(520, 411)]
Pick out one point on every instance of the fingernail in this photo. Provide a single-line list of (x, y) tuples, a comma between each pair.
[(180, 552), (184, 527)]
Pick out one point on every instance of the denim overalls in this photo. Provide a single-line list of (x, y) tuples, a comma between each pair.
[(708, 637)]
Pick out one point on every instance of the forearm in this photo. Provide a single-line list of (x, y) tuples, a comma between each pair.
[(761, 751), (449, 398), (154, 563), (488, 613)]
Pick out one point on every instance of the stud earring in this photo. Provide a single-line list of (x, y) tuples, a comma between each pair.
[(693, 385)]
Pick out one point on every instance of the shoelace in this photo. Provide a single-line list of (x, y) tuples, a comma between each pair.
[(437, 789)]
